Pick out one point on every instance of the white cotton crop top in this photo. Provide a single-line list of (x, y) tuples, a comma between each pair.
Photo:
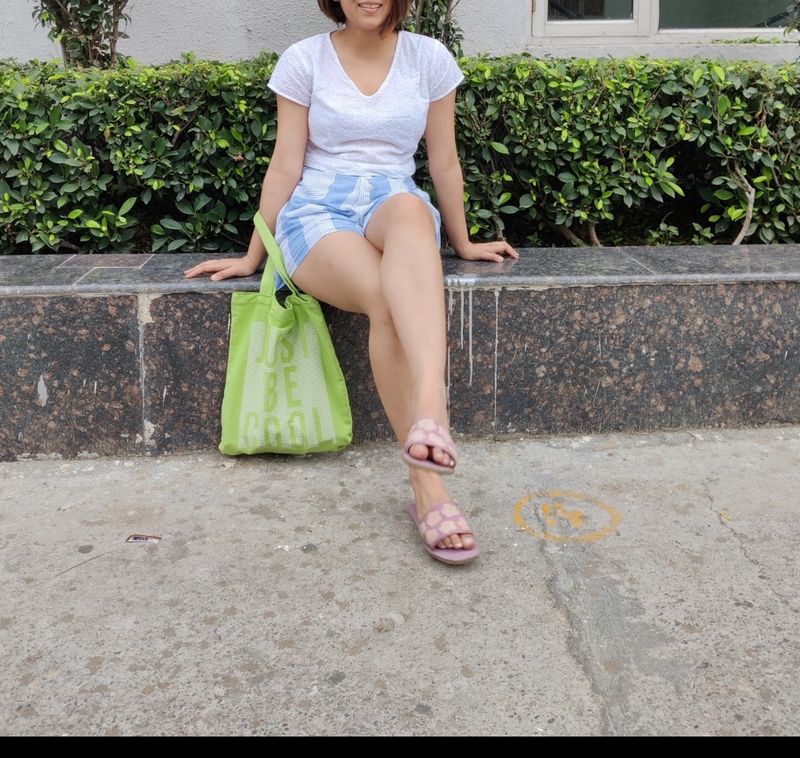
[(350, 132)]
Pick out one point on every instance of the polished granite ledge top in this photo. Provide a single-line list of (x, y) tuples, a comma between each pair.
[(120, 274)]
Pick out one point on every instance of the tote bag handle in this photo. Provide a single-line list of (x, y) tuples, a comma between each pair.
[(274, 259)]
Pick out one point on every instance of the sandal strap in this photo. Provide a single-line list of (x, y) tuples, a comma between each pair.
[(443, 520), (429, 432)]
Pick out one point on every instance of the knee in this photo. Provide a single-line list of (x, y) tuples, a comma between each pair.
[(410, 211)]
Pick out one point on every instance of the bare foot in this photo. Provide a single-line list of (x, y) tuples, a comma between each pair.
[(429, 431), (424, 453), (428, 492)]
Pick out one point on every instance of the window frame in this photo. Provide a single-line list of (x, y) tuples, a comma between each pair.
[(643, 26), (638, 26)]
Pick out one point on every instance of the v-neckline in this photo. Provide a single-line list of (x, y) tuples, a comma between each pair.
[(347, 76)]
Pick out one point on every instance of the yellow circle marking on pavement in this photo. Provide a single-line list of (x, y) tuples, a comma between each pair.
[(567, 516)]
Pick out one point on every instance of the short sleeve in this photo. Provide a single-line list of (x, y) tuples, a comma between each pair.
[(444, 74), (292, 76)]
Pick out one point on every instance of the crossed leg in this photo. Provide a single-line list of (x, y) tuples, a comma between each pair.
[(400, 290)]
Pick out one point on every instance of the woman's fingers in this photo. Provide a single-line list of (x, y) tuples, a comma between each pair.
[(206, 267), (510, 250), (224, 273), (491, 251), (501, 246)]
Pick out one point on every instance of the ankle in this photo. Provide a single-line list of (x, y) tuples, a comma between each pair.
[(431, 401), (427, 486)]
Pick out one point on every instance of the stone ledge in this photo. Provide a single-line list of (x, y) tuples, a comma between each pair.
[(129, 358), (537, 268)]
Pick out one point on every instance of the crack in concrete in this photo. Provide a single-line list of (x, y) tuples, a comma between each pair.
[(574, 640), (740, 544), (94, 557)]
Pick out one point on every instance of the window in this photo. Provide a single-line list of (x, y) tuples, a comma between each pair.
[(722, 14), (572, 10), (655, 18), (571, 18)]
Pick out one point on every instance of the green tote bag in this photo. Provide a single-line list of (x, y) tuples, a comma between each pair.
[(284, 388)]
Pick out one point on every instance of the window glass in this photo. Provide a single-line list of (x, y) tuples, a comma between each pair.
[(589, 10), (721, 14)]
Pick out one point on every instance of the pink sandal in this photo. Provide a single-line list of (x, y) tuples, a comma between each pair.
[(429, 432), (444, 520)]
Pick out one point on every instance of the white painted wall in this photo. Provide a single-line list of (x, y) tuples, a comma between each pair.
[(494, 26), (235, 29), (160, 30)]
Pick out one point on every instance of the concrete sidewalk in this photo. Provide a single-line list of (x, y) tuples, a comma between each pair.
[(629, 584)]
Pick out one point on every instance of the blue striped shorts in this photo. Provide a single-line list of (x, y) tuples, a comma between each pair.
[(325, 202)]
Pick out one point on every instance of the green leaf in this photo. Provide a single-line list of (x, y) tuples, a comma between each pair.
[(500, 148), (175, 244), (127, 205)]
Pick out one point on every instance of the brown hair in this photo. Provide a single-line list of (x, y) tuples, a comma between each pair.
[(394, 20)]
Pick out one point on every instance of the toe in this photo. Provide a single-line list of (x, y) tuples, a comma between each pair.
[(452, 542), (419, 451), (458, 542), (441, 457)]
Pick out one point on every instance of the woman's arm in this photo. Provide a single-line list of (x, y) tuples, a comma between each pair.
[(283, 174), (445, 169)]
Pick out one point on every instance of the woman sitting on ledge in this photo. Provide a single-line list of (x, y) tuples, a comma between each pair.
[(358, 233)]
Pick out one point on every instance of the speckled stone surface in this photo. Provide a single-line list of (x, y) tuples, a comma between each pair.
[(350, 336), (561, 341), (636, 358), (185, 358), (71, 381), (541, 267), (471, 359)]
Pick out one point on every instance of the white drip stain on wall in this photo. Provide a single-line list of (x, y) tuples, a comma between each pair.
[(145, 317), (465, 325), (470, 338), (447, 333), (462, 320), (41, 391), (496, 344)]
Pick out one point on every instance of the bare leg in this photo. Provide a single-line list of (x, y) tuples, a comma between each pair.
[(411, 281), (344, 269)]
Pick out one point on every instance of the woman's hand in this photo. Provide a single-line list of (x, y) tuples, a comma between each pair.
[(223, 268), (487, 251)]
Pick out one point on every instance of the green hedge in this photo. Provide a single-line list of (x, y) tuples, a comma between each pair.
[(171, 158)]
